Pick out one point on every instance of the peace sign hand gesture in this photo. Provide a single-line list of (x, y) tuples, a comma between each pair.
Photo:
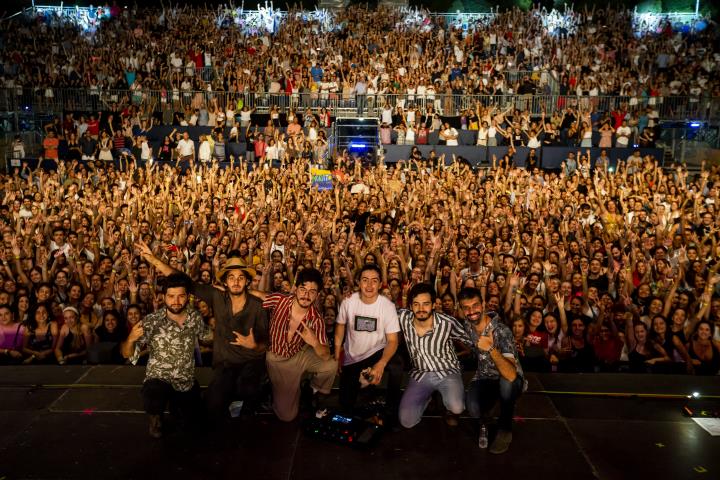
[(308, 335)]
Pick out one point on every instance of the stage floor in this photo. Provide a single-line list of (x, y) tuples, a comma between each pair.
[(86, 422)]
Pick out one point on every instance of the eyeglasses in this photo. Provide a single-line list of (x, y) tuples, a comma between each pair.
[(305, 291)]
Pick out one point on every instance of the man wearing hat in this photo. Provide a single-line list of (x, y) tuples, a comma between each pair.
[(240, 339)]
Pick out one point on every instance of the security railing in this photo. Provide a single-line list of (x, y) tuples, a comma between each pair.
[(44, 101)]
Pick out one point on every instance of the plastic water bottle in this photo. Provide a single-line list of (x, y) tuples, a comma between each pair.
[(483, 439), (236, 408)]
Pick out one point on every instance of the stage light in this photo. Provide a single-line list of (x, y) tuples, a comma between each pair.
[(696, 394), (611, 169), (695, 124), (358, 145)]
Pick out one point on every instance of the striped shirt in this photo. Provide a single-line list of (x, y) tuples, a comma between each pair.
[(280, 304), (434, 351)]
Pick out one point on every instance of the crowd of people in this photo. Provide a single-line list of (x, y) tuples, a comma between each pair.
[(616, 271), (162, 49), (595, 84), (426, 266)]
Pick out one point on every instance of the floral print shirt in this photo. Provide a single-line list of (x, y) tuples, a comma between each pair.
[(172, 348)]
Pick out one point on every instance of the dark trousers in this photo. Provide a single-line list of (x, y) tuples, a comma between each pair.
[(483, 394), (350, 381), (158, 394), (235, 382)]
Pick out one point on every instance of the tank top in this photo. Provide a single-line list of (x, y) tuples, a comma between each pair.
[(706, 367), (482, 136), (41, 343)]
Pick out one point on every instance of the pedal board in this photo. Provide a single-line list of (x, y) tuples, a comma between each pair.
[(342, 429)]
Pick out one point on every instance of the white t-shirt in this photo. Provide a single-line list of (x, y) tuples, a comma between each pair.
[(451, 132), (204, 154), (622, 135), (366, 326), (186, 147)]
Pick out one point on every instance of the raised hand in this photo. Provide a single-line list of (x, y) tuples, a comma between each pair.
[(143, 249), (136, 332)]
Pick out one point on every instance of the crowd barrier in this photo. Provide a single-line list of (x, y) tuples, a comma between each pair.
[(549, 158), (58, 100)]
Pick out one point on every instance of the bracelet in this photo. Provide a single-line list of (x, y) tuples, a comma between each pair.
[(490, 350)]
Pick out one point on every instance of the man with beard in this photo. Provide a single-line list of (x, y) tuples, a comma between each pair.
[(298, 344), (239, 340), (499, 373), (170, 334), (429, 338)]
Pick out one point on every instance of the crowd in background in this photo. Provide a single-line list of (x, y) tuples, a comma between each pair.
[(594, 270), (195, 67)]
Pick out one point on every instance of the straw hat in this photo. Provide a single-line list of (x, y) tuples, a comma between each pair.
[(235, 263)]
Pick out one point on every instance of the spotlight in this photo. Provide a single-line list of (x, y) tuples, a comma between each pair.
[(699, 406)]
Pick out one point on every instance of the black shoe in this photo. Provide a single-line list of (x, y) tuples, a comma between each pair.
[(502, 441)]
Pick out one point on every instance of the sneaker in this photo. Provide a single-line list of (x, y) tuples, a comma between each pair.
[(451, 419), (155, 426), (501, 443)]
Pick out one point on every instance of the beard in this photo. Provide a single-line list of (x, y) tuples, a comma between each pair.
[(475, 318), (176, 309), (422, 316)]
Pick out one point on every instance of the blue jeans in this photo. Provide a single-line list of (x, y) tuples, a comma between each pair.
[(360, 102), (483, 394), (417, 395)]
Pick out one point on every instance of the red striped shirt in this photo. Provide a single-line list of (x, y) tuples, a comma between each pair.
[(280, 305)]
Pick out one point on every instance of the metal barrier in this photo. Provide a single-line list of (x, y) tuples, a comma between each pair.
[(56, 101)]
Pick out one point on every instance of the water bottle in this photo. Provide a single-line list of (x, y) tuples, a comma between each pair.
[(483, 439), (236, 408)]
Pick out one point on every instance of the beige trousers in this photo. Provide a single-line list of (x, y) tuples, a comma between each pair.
[(286, 374)]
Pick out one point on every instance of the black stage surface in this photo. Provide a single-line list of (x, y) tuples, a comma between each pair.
[(86, 422)]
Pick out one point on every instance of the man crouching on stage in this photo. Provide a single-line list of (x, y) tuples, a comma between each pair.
[(170, 334)]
